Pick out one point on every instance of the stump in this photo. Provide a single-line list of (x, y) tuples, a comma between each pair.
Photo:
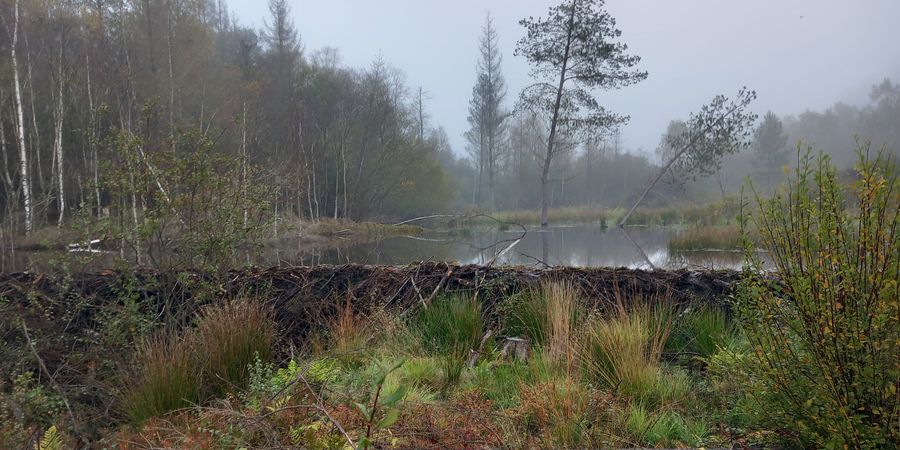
[(515, 348)]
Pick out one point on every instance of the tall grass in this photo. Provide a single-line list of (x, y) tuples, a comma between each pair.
[(525, 315), (168, 378), (706, 238), (700, 331), (212, 359), (449, 324), (230, 337), (622, 351), (347, 333), (561, 310), (450, 327), (547, 316)]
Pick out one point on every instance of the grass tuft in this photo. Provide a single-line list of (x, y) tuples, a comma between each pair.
[(622, 352), (699, 332), (168, 378), (450, 325), (229, 338)]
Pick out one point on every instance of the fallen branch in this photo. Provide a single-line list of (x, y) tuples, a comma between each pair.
[(53, 382)]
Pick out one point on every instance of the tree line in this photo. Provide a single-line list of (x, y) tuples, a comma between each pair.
[(171, 76), (103, 103)]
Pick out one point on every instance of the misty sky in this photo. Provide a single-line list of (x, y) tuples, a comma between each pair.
[(797, 54)]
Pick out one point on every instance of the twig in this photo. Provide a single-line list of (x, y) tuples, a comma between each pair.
[(433, 216), (440, 284), (475, 354), (52, 380), (320, 405), (503, 252), (418, 292)]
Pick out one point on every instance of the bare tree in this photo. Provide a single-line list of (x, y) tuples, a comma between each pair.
[(573, 52)]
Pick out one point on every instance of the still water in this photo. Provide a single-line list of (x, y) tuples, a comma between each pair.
[(579, 246)]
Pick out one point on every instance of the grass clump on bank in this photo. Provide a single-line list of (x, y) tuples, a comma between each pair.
[(169, 378), (211, 360)]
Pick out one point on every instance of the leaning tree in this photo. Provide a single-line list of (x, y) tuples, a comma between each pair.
[(573, 52), (721, 127)]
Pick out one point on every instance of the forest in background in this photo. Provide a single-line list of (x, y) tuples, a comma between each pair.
[(110, 107)]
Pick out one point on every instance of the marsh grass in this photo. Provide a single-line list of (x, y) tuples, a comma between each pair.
[(662, 428), (548, 317), (168, 378), (699, 332), (622, 351), (449, 328), (347, 334), (706, 238), (561, 312), (450, 324), (229, 338)]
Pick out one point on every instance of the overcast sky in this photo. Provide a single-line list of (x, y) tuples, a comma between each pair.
[(797, 54)]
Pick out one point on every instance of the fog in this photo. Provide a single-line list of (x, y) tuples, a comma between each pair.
[(388, 110), (798, 54)]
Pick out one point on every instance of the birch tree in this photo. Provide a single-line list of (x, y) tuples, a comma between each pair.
[(574, 51), (20, 116)]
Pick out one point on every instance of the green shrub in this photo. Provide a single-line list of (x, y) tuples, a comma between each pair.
[(229, 338), (825, 338), (168, 378)]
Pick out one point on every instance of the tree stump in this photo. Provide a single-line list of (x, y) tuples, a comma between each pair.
[(515, 349)]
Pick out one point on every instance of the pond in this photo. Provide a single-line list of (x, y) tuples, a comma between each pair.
[(577, 246)]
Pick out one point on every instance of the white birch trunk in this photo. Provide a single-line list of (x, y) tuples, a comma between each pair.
[(58, 144), (23, 151)]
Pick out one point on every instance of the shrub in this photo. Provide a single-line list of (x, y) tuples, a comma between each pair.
[(168, 378), (825, 336), (230, 337)]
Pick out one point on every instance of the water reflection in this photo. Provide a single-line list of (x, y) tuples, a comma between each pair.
[(580, 246)]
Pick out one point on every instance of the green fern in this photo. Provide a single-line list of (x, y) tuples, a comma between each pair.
[(52, 440)]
